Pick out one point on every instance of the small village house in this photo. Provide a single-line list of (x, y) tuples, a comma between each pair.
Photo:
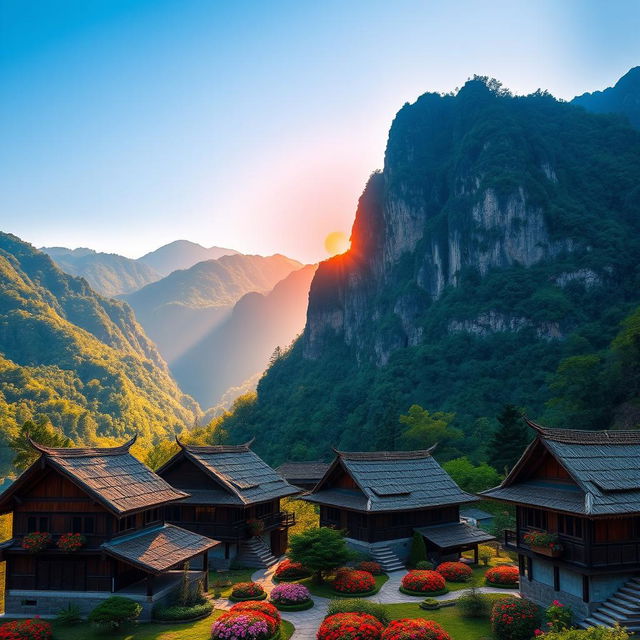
[(304, 475)]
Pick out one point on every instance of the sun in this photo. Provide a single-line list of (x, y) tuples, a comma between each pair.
[(336, 242)]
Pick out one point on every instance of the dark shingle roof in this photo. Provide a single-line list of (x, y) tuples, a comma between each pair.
[(474, 512), (307, 471), (603, 464), (117, 479), (156, 550), (394, 481), (446, 536), (245, 475)]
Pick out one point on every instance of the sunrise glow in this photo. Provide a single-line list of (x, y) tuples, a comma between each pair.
[(337, 242)]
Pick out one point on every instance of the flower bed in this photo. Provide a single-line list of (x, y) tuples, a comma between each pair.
[(354, 582), (374, 568), (415, 629), (455, 571), (350, 626), (265, 608), (543, 542), (288, 570), (420, 582), (247, 591), (514, 619), (248, 625), (32, 629), (36, 541), (71, 541), (179, 613), (291, 597), (505, 576)]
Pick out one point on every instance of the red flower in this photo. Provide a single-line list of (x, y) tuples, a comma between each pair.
[(353, 581), (372, 567), (415, 629), (514, 619), (288, 570), (265, 608), (246, 590), (350, 626), (26, 630), (505, 574), (423, 581), (454, 571)]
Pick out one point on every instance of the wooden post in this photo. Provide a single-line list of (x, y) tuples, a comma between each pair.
[(205, 568), (475, 554), (556, 578), (585, 588), (149, 581)]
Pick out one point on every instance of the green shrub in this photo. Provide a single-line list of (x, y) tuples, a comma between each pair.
[(178, 612), (356, 605), (514, 619), (485, 553), (114, 611), (558, 616), (424, 564), (418, 550), (592, 633), (473, 604), (430, 604), (70, 614)]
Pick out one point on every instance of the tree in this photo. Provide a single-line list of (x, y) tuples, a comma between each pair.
[(418, 551), (471, 478), (320, 550), (509, 441), (160, 453), (41, 431), (424, 429)]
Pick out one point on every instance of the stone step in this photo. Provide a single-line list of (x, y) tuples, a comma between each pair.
[(619, 612), (625, 598), (603, 619), (630, 591)]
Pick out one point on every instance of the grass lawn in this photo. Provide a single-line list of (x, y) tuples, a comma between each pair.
[(223, 581), (199, 630), (325, 591)]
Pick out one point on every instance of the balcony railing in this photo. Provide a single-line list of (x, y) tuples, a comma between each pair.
[(238, 529)]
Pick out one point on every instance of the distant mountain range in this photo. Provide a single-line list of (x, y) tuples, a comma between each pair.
[(181, 254), (77, 357)]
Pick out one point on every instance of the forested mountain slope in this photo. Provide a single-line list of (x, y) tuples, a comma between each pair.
[(181, 254), (77, 357), (109, 274), (501, 237)]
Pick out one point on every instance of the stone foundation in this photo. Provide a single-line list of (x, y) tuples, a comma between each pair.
[(544, 595)]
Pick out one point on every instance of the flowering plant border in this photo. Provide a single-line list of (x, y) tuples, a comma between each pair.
[(71, 542), (36, 541)]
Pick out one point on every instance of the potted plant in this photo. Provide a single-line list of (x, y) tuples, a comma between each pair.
[(547, 544), (36, 541), (71, 541)]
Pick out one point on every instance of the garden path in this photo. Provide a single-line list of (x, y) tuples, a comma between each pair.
[(307, 622)]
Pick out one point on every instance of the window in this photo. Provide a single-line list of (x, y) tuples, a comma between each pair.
[(333, 514), (83, 524), (264, 509), (37, 523), (534, 518), (124, 524), (570, 526), (151, 515)]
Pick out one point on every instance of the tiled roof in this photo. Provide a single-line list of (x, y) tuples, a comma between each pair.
[(241, 471), (603, 464), (446, 536), (396, 480), (339, 498), (157, 550), (541, 494), (474, 512), (211, 496), (309, 471), (117, 479)]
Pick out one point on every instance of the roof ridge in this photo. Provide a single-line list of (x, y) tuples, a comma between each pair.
[(216, 448), (385, 455), (76, 452), (586, 436)]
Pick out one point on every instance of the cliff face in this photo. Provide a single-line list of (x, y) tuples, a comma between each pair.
[(473, 183)]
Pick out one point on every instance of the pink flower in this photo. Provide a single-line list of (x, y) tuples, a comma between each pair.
[(557, 603), (538, 632)]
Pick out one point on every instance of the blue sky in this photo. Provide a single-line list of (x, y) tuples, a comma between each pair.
[(254, 125)]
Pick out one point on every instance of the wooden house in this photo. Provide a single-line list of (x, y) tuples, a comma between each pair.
[(304, 475), (582, 488), (235, 498), (381, 498), (117, 504)]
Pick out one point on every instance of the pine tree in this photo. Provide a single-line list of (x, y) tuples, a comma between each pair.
[(509, 441), (418, 551)]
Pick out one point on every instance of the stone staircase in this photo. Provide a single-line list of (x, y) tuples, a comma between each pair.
[(388, 560), (622, 607), (255, 553)]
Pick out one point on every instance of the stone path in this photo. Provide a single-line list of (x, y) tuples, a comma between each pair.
[(307, 622)]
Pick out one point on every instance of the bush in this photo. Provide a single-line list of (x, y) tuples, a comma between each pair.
[(353, 581), (558, 616), (350, 626), (114, 611), (372, 567), (418, 551), (424, 564), (32, 629), (424, 582), (485, 553), (178, 612), (69, 615), (261, 607), (355, 605), (247, 591), (592, 633), (455, 571), (36, 541), (410, 629), (248, 625), (474, 604), (505, 575), (286, 594), (288, 570), (430, 604), (514, 619)]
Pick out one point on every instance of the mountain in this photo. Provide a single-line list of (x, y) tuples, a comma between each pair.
[(622, 98), (77, 357), (179, 310), (181, 254), (499, 241), (109, 274), (240, 347)]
